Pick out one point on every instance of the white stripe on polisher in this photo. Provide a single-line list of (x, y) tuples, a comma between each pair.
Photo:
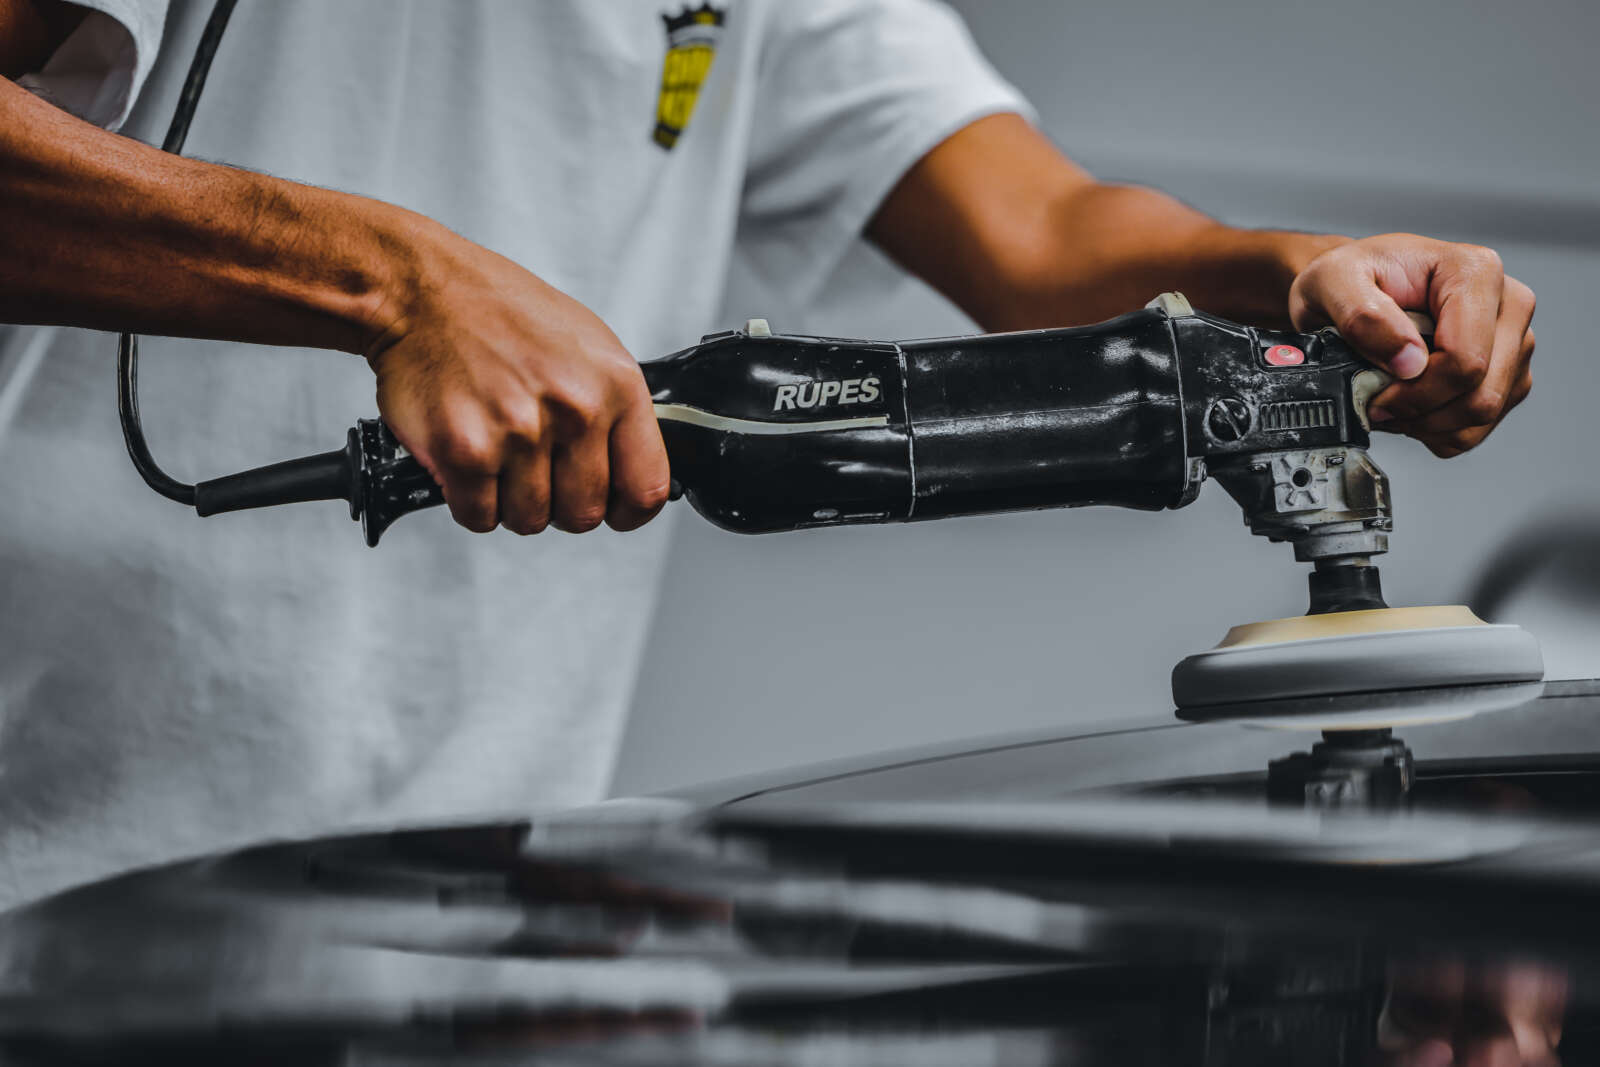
[(1361, 670)]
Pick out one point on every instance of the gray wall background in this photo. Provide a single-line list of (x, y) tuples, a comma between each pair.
[(1467, 119)]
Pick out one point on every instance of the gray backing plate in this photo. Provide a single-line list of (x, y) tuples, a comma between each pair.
[(1373, 663), (1371, 711)]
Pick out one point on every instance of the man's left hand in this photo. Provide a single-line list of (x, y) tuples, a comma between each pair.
[(1449, 398)]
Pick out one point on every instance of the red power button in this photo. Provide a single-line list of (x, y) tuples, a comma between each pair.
[(1285, 356)]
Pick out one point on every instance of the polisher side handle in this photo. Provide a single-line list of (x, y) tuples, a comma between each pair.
[(389, 481)]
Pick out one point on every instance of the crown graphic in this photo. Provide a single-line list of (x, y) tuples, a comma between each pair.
[(704, 15)]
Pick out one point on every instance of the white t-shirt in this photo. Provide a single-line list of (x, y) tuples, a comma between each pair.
[(170, 685)]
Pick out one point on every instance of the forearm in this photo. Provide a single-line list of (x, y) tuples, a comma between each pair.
[(1105, 249), (108, 233), (1019, 236), (522, 404)]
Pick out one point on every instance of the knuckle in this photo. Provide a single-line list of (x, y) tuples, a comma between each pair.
[(1521, 295), (526, 525), (1465, 370), (638, 397), (1485, 407), (1484, 258), (1443, 447), (531, 514), (653, 496), (471, 453), (1305, 286), (582, 407), (1340, 256), (626, 387), (476, 520), (522, 423), (623, 369), (1451, 444), (1363, 318), (623, 518), (584, 519)]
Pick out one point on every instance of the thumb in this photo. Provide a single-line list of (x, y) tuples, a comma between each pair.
[(1366, 316)]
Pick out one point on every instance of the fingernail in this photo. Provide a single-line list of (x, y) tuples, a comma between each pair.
[(1376, 415), (1412, 361)]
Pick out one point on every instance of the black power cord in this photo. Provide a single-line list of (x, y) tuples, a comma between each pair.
[(128, 344)]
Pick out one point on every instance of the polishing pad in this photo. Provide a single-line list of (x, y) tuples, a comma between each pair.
[(1361, 670)]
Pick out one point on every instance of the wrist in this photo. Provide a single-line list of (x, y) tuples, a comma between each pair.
[(1294, 251), (1257, 268), (404, 245), (313, 267)]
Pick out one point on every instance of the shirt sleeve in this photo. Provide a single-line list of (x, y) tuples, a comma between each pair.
[(850, 95), (98, 70)]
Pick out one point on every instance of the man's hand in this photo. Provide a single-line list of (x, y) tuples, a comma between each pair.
[(1451, 398), (999, 221), (518, 400)]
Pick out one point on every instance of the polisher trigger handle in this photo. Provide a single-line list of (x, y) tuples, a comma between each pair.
[(1423, 322), (1368, 383)]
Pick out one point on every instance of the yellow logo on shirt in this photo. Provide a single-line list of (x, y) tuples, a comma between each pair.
[(691, 46)]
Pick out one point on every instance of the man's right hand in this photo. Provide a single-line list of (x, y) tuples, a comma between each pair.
[(520, 402)]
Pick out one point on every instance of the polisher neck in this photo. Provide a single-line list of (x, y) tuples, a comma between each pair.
[(1345, 587)]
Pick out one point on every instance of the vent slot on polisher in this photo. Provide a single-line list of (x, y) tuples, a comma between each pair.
[(1298, 415)]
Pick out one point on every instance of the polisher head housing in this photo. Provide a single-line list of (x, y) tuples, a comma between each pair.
[(1360, 670)]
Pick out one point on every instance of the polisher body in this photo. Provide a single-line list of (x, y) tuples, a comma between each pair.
[(770, 432)]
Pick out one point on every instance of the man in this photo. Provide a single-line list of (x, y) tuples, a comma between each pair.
[(173, 686)]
